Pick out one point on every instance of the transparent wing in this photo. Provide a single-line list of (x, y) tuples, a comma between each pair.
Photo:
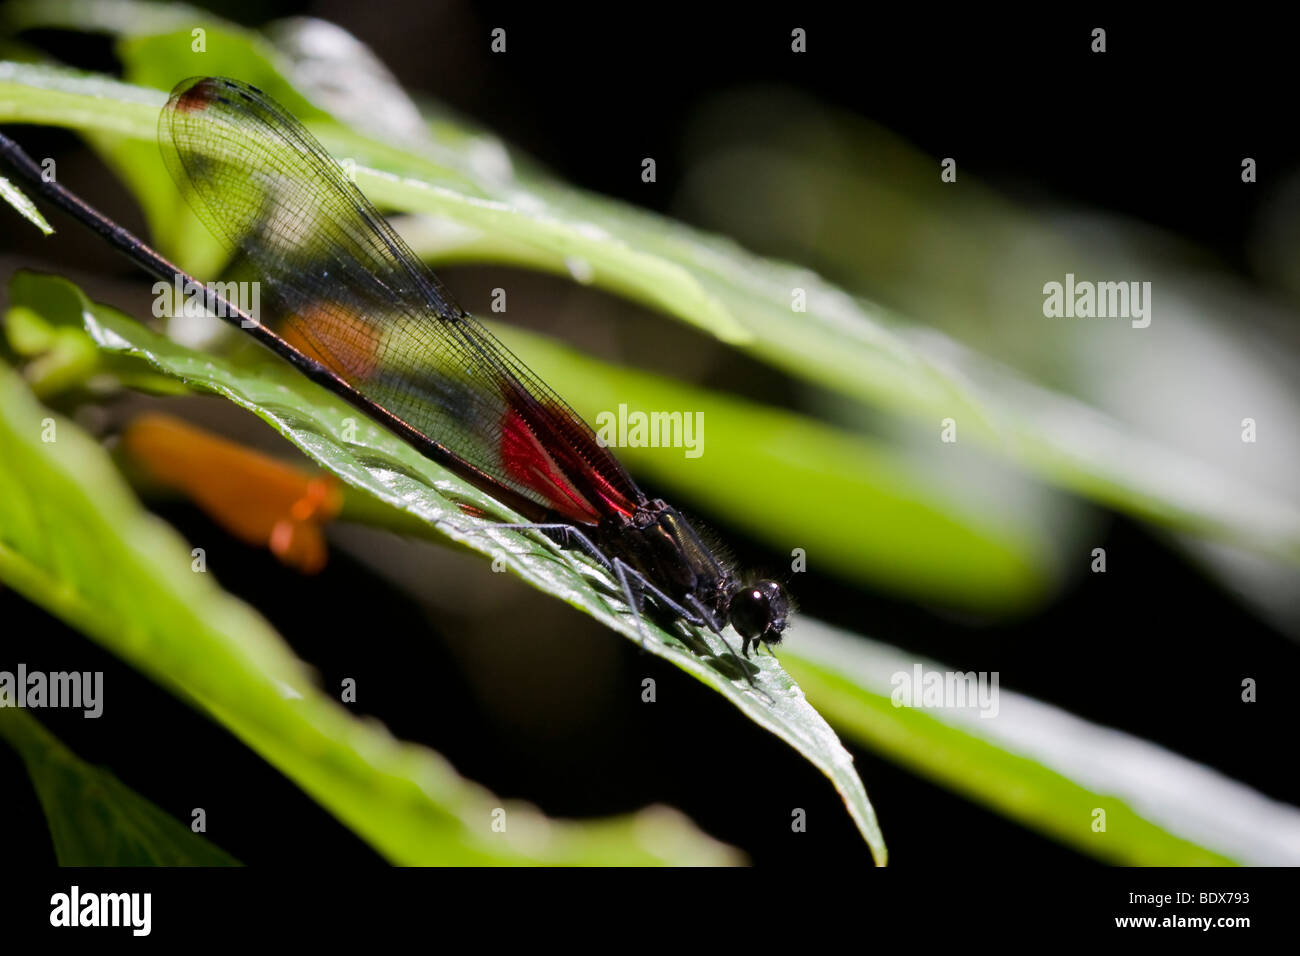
[(339, 284)]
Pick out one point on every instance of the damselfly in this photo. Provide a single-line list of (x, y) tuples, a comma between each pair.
[(346, 301)]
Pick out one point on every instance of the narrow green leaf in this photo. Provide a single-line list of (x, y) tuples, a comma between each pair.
[(1043, 767), (377, 462), (95, 819), (74, 540), (26, 208)]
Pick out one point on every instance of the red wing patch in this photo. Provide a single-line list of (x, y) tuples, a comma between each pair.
[(197, 97), (552, 453), (527, 462)]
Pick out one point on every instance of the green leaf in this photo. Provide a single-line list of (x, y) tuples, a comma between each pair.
[(377, 462), (1043, 767), (60, 355), (74, 540), (26, 208), (95, 819)]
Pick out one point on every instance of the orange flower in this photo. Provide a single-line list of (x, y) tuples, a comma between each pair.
[(257, 499)]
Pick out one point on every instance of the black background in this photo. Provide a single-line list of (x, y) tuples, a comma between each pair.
[(1154, 129)]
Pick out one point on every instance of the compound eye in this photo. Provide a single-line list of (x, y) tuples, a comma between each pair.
[(758, 611), (750, 612)]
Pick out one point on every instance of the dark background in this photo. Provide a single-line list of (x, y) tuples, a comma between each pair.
[(1151, 647)]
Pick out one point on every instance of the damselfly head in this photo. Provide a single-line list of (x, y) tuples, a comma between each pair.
[(758, 612)]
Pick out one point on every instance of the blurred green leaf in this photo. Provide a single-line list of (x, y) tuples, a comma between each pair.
[(60, 355), (73, 540), (95, 819), (790, 175), (1043, 767)]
